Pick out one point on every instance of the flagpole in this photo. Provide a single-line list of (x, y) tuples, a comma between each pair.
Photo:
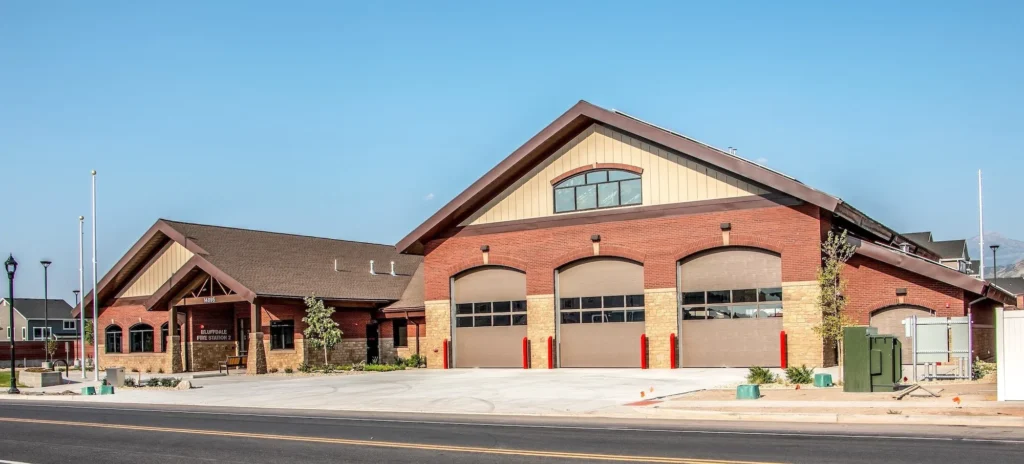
[(81, 287), (981, 230), (95, 293)]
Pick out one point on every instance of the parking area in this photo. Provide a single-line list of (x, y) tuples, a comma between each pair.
[(500, 391)]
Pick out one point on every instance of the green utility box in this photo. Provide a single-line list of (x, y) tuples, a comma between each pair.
[(871, 362), (748, 392), (822, 380)]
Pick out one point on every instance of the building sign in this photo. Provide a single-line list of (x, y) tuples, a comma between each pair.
[(214, 334)]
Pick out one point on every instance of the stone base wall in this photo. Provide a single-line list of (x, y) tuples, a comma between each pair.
[(136, 362), (207, 356), (540, 318), (439, 317), (349, 351), (799, 317), (284, 359), (661, 321), (387, 350)]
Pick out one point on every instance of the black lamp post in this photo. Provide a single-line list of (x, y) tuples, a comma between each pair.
[(46, 303), (76, 292), (995, 269), (11, 265)]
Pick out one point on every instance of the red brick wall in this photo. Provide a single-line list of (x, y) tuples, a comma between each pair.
[(871, 285), (658, 242), (127, 316)]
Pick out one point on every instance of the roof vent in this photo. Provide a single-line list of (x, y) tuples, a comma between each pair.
[(335, 264), (392, 268), (371, 268), (905, 247)]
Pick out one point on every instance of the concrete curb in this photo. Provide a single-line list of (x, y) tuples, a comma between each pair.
[(830, 418)]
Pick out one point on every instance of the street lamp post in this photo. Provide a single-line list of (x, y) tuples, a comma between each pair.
[(11, 265), (46, 300), (995, 269)]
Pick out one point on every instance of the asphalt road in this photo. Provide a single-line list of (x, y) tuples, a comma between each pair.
[(47, 432)]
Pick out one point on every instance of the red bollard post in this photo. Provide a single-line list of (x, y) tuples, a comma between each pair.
[(674, 350), (643, 351), (526, 353), (551, 353), (446, 353), (783, 360)]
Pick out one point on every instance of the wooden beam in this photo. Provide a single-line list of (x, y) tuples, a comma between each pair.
[(202, 300)]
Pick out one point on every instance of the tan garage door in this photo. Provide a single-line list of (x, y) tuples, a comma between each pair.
[(889, 321), (731, 308), (601, 313), (490, 317)]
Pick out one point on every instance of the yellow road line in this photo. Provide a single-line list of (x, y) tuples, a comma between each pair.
[(385, 444)]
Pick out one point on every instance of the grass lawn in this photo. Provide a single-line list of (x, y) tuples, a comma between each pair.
[(5, 379)]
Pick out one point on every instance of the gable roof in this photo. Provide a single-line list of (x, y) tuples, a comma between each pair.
[(1014, 285), (33, 308), (581, 116), (412, 298), (270, 264), (948, 249), (919, 237)]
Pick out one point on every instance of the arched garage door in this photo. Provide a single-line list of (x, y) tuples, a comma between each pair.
[(889, 321), (601, 313), (490, 317), (731, 308)]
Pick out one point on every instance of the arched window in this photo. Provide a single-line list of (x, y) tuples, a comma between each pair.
[(113, 339), (603, 188), (164, 333), (140, 338)]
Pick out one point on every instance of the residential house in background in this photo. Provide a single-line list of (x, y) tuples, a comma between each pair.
[(33, 320), (1013, 285), (952, 253)]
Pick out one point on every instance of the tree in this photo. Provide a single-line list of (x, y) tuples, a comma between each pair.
[(88, 331), (321, 332), (836, 251), (51, 347)]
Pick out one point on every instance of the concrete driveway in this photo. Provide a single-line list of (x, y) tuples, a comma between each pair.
[(501, 391)]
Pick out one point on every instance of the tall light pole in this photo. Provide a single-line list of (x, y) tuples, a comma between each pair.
[(995, 269), (95, 294), (46, 302), (11, 265), (81, 288)]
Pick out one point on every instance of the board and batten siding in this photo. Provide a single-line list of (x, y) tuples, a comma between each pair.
[(668, 177), (172, 258)]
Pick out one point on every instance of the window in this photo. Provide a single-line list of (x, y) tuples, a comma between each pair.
[(24, 333), (732, 304), (282, 335), (490, 314), (400, 330), (602, 309), (140, 338), (70, 324), (164, 334), (598, 189), (113, 339), (41, 333)]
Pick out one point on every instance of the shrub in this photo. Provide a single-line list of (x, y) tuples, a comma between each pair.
[(272, 370), (135, 370), (760, 375), (800, 375), (130, 382), (359, 366), (417, 361), (288, 370), (305, 368), (166, 382), (149, 370), (981, 369), (382, 368), (400, 361), (153, 382)]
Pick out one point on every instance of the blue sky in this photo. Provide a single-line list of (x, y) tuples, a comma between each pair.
[(348, 120)]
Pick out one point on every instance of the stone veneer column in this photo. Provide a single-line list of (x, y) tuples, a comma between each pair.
[(174, 353), (660, 322), (540, 319), (257, 362), (800, 315), (439, 327)]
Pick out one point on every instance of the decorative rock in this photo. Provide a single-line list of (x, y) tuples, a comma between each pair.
[(184, 385), (748, 392)]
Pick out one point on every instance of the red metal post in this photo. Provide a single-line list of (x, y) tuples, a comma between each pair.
[(673, 349), (783, 359), (526, 353), (446, 353), (643, 351), (551, 353)]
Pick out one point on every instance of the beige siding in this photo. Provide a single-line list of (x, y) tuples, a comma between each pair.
[(159, 271), (668, 177)]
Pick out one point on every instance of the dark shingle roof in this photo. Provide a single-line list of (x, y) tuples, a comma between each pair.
[(920, 238), (1014, 285), (948, 249), (412, 298), (277, 264), (32, 308)]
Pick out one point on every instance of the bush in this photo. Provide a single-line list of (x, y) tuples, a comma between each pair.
[(149, 370), (153, 382), (160, 371), (288, 370), (382, 367), (359, 366), (417, 361), (800, 375), (760, 375), (130, 382), (981, 369), (135, 370), (305, 368), (272, 370)]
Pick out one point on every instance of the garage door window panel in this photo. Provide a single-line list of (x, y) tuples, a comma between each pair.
[(491, 314), (732, 304), (630, 309)]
